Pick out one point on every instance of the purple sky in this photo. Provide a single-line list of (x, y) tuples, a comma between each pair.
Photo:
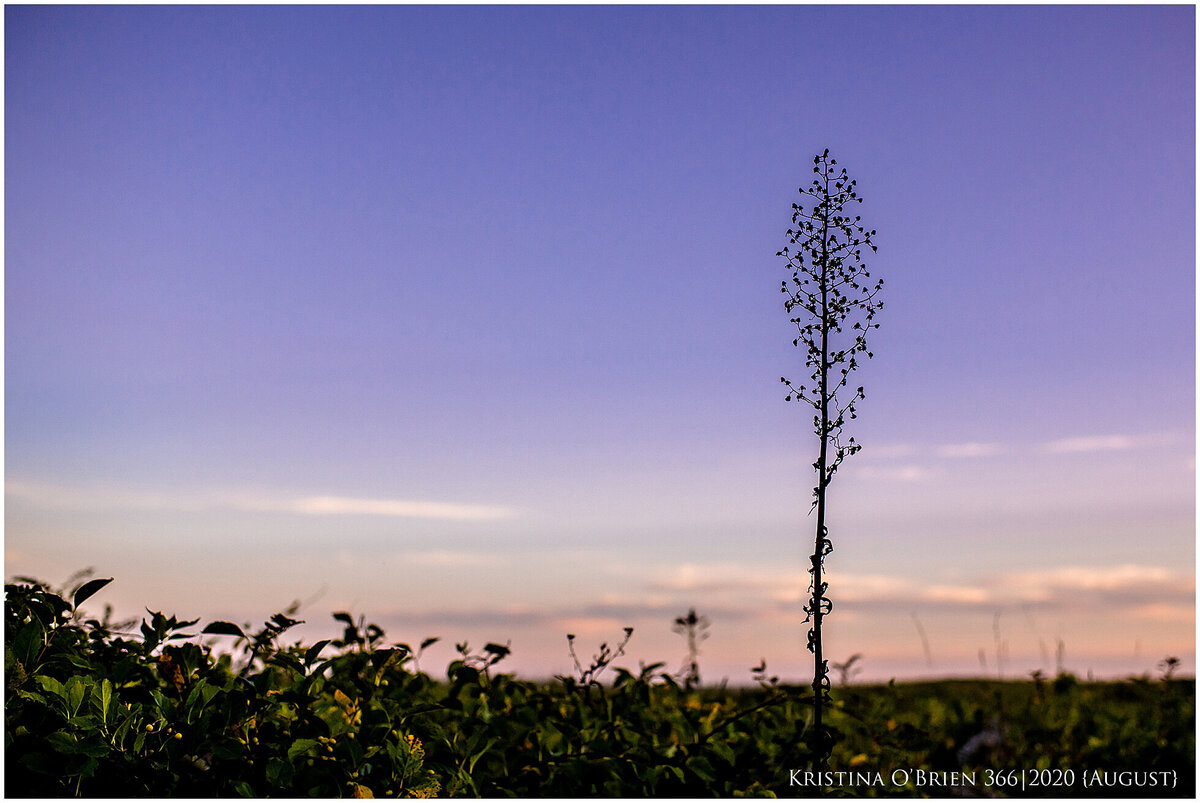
[(468, 318)]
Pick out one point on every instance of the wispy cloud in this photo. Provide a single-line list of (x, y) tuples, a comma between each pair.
[(970, 449), (1125, 586), (1091, 443), (1112, 442), (448, 558), (79, 498), (707, 577), (732, 593), (1127, 580), (349, 506), (1109, 443), (909, 473)]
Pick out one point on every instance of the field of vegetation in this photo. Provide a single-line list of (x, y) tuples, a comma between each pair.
[(92, 710)]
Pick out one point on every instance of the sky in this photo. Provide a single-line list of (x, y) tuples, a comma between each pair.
[(467, 320)]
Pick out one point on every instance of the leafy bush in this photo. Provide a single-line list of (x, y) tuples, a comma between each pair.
[(92, 712), (96, 711)]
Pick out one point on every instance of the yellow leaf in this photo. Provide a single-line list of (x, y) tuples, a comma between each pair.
[(859, 760), (361, 791)]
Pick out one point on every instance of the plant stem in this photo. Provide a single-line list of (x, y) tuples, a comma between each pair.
[(818, 742)]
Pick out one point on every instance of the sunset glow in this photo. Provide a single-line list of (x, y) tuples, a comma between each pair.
[(468, 319)]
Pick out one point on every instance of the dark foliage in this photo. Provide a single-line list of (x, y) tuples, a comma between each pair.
[(90, 711)]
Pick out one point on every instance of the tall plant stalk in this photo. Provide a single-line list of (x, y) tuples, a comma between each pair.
[(830, 290)]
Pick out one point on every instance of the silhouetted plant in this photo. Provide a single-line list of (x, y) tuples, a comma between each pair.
[(92, 714), (492, 654), (695, 629), (590, 677), (830, 290), (848, 669), (261, 644), (762, 677), (416, 654), (1168, 666)]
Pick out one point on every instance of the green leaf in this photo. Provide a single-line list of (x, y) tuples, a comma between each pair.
[(723, 750), (42, 763), (165, 706), (80, 663), (244, 789), (203, 691), (464, 674), (51, 685), (209, 692), (88, 769), (194, 695), (75, 694), (88, 589), (312, 685), (103, 695), (62, 742), (94, 748), (480, 754), (29, 695), (357, 754), (324, 665), (314, 651), (497, 650), (28, 643), (287, 660), (123, 730), (223, 629), (301, 747), (229, 750), (279, 773), (703, 769)]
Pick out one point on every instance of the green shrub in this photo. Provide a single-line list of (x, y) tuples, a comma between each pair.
[(92, 710)]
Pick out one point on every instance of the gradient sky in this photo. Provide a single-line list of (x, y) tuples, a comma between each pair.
[(467, 319)]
